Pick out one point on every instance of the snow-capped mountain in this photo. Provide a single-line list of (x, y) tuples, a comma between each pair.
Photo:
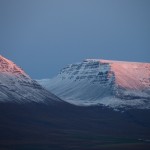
[(96, 81), (17, 86), (33, 118)]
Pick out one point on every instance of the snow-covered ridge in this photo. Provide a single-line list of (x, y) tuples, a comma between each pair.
[(113, 61), (129, 75), (95, 80), (8, 66), (17, 86)]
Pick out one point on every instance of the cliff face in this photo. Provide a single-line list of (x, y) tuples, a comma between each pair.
[(96, 81)]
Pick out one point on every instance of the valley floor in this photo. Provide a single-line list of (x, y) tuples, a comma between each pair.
[(67, 127), (75, 143)]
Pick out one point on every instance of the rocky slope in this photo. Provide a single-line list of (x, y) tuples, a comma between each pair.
[(112, 83), (17, 86)]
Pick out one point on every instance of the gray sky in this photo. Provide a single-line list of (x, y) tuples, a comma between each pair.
[(42, 36)]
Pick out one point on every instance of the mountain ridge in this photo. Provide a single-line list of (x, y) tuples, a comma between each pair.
[(33, 118), (17, 86), (98, 81)]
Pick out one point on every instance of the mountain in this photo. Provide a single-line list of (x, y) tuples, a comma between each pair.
[(17, 86), (33, 118), (115, 84)]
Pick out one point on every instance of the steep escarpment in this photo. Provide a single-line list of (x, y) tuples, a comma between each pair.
[(94, 81)]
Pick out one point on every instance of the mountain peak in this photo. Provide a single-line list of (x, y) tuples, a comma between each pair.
[(129, 75), (17, 86), (10, 67)]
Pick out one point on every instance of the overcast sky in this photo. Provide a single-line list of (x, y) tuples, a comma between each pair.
[(43, 36)]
